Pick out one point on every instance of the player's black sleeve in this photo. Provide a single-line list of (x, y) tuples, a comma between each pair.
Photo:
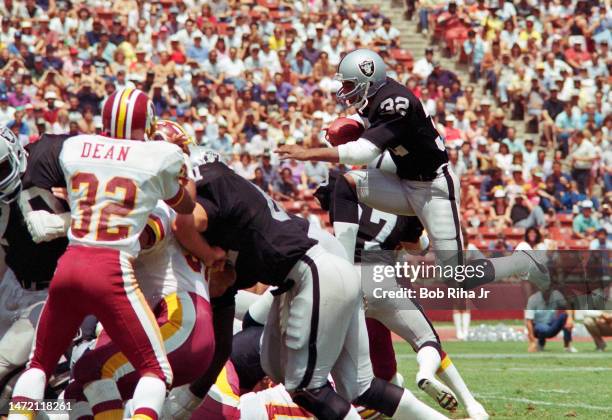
[(214, 190), (211, 208), (386, 133), (44, 170)]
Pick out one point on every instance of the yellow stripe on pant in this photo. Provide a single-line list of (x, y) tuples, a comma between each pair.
[(174, 332), (444, 364)]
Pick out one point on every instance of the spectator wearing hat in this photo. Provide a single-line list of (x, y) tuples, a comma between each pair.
[(498, 130), (499, 212), (524, 214), (72, 63), (51, 111), (116, 33), (582, 156), (321, 39), (453, 136), (585, 223), (269, 58), (196, 50)]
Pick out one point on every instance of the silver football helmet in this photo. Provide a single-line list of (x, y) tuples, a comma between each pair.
[(13, 164), (362, 72)]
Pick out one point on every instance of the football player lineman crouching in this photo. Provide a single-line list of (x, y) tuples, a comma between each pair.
[(316, 325), (422, 184)]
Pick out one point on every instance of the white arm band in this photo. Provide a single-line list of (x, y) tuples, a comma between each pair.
[(358, 152)]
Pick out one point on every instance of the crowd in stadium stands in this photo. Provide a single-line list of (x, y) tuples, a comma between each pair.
[(243, 77)]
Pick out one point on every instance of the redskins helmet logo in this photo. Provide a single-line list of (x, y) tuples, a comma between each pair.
[(367, 68)]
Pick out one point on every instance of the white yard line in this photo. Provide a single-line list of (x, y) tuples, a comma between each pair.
[(541, 369), (493, 396), (543, 355)]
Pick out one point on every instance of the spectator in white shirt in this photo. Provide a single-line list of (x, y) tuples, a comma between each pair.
[(424, 66), (7, 112), (186, 35), (582, 156), (334, 50), (321, 39), (387, 35)]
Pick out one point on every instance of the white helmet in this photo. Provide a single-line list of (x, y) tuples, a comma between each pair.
[(13, 164)]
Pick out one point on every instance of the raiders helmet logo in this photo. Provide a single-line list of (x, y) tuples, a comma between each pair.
[(367, 68)]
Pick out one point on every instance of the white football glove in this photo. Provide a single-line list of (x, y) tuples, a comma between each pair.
[(180, 403), (45, 226)]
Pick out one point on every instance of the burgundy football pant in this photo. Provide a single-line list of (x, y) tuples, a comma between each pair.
[(100, 282)]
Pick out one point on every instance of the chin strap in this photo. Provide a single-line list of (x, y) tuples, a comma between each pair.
[(364, 101)]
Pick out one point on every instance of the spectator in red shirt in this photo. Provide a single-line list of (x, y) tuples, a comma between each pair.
[(576, 56), (176, 52), (50, 114)]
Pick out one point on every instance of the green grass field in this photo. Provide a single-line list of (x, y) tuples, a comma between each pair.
[(514, 384)]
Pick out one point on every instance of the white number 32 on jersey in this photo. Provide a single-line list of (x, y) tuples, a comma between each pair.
[(398, 105)]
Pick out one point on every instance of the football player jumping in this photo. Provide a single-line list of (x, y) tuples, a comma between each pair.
[(422, 184), (113, 184), (380, 232)]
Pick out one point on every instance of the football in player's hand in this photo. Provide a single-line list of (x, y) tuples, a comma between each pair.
[(343, 130)]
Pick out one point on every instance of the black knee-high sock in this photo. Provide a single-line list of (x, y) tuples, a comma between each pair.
[(481, 266)]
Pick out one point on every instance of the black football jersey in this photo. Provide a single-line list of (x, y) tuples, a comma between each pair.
[(380, 231), (264, 241), (34, 264), (398, 123)]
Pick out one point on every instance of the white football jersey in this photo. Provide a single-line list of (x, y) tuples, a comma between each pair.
[(113, 185), (166, 268)]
